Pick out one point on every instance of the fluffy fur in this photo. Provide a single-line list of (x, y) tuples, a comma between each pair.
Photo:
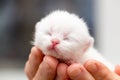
[(72, 41)]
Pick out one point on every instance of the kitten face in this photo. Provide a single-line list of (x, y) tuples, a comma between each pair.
[(62, 35)]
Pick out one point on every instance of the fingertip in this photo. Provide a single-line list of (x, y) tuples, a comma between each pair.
[(91, 66), (78, 72), (62, 69), (62, 72), (72, 67), (36, 53), (36, 50), (74, 70), (95, 66), (99, 70), (50, 61)]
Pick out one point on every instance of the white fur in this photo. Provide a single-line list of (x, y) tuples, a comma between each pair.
[(76, 44)]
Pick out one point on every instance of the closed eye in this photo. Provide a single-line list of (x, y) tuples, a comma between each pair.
[(65, 38), (49, 33)]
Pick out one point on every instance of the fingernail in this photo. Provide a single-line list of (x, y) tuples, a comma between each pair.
[(76, 72), (92, 66)]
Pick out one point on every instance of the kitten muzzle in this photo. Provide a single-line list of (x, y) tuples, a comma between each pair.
[(54, 43)]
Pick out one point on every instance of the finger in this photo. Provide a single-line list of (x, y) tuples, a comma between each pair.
[(117, 69), (100, 71), (62, 72), (33, 62), (47, 69), (78, 72)]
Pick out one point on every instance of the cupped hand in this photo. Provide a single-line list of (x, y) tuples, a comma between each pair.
[(40, 67)]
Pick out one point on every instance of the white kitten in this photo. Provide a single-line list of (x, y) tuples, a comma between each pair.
[(66, 37)]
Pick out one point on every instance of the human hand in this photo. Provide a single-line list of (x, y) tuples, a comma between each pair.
[(92, 70), (40, 67)]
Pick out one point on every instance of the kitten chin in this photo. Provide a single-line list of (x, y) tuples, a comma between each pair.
[(65, 36)]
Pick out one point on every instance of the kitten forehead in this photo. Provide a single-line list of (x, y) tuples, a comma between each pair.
[(62, 21), (64, 18)]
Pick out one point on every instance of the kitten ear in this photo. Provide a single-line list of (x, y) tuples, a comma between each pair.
[(88, 43)]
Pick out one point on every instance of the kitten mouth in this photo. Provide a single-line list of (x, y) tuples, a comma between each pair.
[(53, 49), (56, 50)]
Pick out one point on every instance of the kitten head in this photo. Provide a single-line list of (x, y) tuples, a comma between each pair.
[(62, 35)]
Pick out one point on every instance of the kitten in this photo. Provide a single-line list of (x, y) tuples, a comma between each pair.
[(65, 36)]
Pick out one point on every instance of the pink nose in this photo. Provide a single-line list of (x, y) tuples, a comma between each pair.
[(55, 42)]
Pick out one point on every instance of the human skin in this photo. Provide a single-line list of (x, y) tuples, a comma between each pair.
[(40, 67)]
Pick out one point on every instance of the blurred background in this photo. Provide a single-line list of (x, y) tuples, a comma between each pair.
[(18, 19)]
